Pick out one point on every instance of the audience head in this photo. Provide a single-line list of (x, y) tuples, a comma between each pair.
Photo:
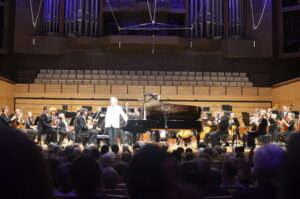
[(23, 171), (215, 179), (86, 175), (267, 163), (189, 156), (63, 176), (115, 148), (180, 150), (104, 149), (165, 147), (126, 156), (291, 173), (136, 146), (230, 168), (95, 153), (109, 178), (108, 159), (160, 173), (224, 149), (218, 149), (188, 150)]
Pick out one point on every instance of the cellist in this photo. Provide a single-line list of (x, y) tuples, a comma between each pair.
[(290, 123)]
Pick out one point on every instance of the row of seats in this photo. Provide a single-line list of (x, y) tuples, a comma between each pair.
[(142, 77), (139, 73), (132, 82)]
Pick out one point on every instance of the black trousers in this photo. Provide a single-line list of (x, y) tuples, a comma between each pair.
[(51, 135), (284, 135), (90, 134), (216, 137), (114, 134), (32, 133), (63, 134), (236, 135), (251, 138)]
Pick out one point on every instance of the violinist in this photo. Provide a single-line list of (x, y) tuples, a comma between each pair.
[(5, 120), (262, 129), (289, 122), (234, 127), (45, 127), (31, 129)]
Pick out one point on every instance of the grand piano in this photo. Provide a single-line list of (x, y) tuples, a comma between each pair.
[(159, 115)]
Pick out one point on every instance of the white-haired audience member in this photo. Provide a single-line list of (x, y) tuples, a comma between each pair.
[(268, 161), (109, 178)]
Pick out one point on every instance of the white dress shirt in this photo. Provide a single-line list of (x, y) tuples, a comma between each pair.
[(112, 118)]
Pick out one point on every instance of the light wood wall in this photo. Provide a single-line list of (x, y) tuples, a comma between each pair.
[(6, 94), (243, 99), (287, 93)]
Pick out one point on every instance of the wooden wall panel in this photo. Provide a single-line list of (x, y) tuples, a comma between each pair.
[(86, 89), (37, 88), (185, 91), (251, 91), (201, 91), (53, 88), (217, 91), (21, 88), (233, 91), (168, 91), (152, 89), (69, 88)]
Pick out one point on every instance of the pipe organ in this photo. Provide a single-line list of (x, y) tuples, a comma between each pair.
[(51, 16), (205, 18), (235, 17), (82, 18)]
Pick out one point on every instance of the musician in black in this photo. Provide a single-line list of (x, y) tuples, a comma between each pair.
[(234, 126), (82, 129), (45, 127), (135, 116), (5, 120), (250, 128), (126, 136), (274, 127), (289, 122), (262, 129), (214, 124), (31, 129), (222, 130), (63, 129)]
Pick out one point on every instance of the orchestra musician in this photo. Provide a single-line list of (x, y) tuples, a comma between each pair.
[(234, 126), (136, 116), (81, 127), (63, 129), (126, 136), (262, 129), (112, 120), (222, 130), (18, 122), (45, 127), (251, 128), (215, 123), (274, 126), (31, 129), (5, 120), (289, 122)]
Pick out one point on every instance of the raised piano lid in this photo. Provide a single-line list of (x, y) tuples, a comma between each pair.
[(160, 110)]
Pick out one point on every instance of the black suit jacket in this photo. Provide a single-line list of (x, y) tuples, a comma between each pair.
[(80, 125), (4, 120), (262, 127), (45, 122)]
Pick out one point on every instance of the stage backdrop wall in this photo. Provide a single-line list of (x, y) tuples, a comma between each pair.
[(287, 93), (6, 94)]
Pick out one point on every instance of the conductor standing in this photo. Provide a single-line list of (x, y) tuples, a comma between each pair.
[(112, 120)]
